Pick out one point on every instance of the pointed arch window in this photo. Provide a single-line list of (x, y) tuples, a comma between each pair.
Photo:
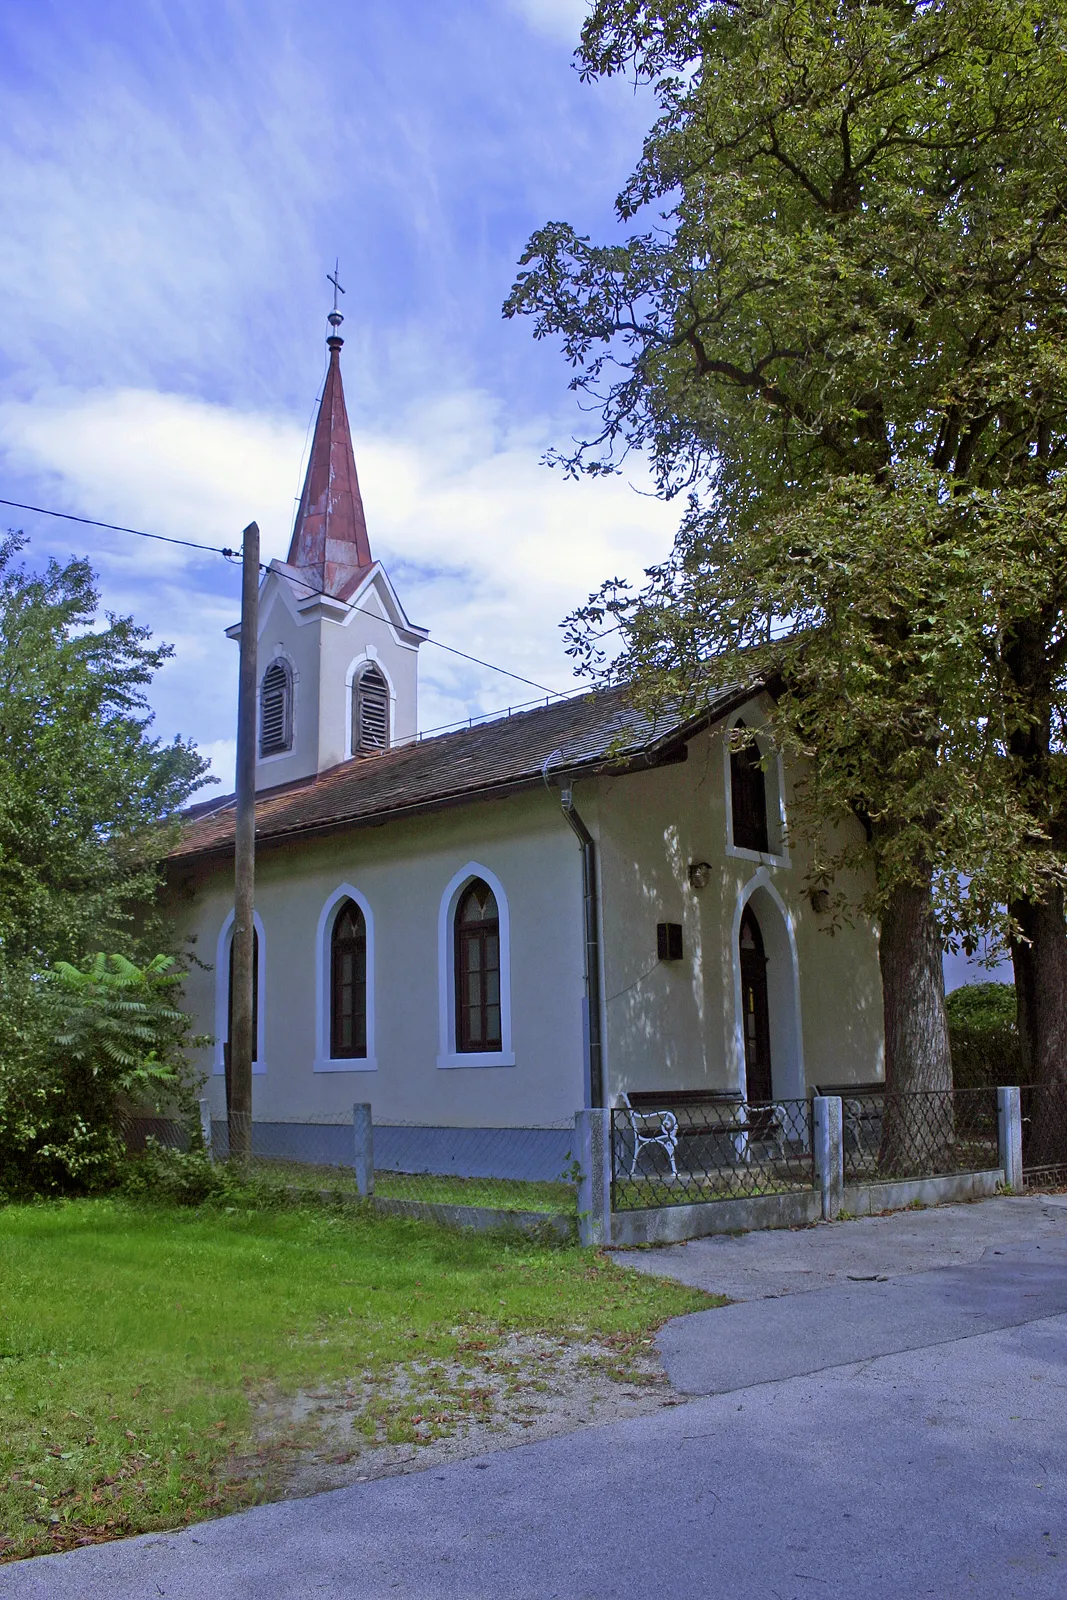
[(370, 712), (477, 961), (748, 797), (276, 709), (348, 983)]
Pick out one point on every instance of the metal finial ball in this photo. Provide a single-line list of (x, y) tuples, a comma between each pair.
[(335, 319)]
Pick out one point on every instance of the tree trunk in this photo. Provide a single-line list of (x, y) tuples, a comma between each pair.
[(917, 1053), (1040, 955), (1040, 961)]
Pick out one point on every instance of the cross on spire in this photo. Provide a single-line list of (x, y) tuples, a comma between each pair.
[(335, 318)]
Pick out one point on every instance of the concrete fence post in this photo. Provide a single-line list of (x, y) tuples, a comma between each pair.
[(1010, 1136), (829, 1153), (363, 1153), (205, 1128), (593, 1130)]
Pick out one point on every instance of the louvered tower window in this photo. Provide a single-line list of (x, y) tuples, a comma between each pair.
[(276, 709), (370, 712)]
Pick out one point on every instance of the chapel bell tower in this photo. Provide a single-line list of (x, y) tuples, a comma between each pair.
[(338, 658)]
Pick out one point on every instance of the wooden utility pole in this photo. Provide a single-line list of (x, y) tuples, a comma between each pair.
[(242, 1007)]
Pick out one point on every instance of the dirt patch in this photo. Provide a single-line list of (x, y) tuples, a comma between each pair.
[(495, 1396)]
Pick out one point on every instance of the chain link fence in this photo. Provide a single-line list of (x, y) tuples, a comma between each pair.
[(926, 1134), (405, 1165), (689, 1153), (504, 1169), (1044, 1114)]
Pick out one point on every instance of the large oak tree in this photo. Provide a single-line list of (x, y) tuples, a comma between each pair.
[(844, 330)]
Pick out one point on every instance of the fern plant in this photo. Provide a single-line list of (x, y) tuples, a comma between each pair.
[(78, 1046)]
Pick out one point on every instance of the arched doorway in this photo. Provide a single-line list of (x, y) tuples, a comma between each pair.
[(766, 1045), (755, 1009)]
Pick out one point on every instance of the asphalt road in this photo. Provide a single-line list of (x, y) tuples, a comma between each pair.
[(875, 1440)]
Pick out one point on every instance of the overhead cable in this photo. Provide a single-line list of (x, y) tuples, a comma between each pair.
[(223, 550)]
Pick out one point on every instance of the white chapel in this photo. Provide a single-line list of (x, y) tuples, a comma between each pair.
[(497, 926)]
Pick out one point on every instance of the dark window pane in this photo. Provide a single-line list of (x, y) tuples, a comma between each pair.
[(477, 969), (348, 983), (748, 799)]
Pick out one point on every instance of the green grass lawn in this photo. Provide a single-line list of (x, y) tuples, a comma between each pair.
[(135, 1340)]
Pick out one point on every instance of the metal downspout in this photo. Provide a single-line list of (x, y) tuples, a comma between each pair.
[(592, 938)]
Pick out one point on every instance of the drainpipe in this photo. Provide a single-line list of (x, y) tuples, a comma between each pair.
[(592, 937)]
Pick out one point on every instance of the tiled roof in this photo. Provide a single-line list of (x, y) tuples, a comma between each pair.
[(591, 730)]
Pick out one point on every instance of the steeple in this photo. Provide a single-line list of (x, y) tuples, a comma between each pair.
[(330, 543)]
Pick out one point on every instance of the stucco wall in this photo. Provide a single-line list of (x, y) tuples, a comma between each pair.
[(676, 1024), (668, 1024), (402, 870)]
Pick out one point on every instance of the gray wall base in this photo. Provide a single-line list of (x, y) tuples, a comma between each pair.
[(866, 1199), (671, 1224)]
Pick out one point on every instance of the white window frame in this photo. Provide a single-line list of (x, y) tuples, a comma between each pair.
[(774, 787), (222, 994), (280, 654), (368, 657), (448, 1056), (324, 1061)]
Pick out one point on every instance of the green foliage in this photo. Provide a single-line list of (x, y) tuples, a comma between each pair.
[(846, 331), (985, 1044), (982, 1006), (88, 800), (75, 1047), (88, 810)]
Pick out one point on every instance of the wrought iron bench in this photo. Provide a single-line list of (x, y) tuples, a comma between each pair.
[(663, 1117)]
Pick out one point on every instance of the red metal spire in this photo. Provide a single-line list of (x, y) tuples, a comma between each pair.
[(330, 542)]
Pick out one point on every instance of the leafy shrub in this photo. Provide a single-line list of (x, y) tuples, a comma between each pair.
[(75, 1046), (191, 1178), (985, 1044), (181, 1177)]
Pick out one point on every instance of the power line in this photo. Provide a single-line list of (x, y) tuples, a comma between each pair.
[(351, 606), (91, 522), (222, 550)]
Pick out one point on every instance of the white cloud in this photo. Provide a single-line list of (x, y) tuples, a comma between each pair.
[(559, 19), (488, 548)]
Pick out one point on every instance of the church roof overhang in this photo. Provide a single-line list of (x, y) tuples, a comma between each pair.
[(585, 736)]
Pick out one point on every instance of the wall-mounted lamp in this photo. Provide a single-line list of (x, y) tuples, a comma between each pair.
[(820, 900), (699, 874)]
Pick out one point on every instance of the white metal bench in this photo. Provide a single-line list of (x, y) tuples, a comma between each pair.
[(652, 1127), (653, 1122)]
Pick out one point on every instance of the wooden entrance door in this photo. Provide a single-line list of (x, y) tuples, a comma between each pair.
[(756, 1010)]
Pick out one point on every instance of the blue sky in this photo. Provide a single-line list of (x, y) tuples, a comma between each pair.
[(178, 180)]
